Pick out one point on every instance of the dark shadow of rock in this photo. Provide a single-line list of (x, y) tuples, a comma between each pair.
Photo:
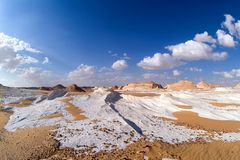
[(111, 99)]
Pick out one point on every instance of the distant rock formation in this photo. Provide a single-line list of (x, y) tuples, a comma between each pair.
[(141, 86), (46, 88), (74, 88), (115, 87), (181, 85), (204, 85), (237, 86), (57, 87)]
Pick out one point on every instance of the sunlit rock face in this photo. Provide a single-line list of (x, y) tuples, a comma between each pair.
[(142, 86), (203, 85), (74, 88), (182, 85)]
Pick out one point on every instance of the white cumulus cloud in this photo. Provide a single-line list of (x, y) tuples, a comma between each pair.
[(225, 39), (36, 76), (82, 72), (195, 69), (46, 60), (234, 73), (159, 61), (10, 60), (176, 73), (232, 26), (204, 37), (15, 44), (192, 50), (120, 65)]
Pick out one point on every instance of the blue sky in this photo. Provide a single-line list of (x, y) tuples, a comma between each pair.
[(104, 42)]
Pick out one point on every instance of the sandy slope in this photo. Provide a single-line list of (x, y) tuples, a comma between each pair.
[(30, 143), (158, 150)]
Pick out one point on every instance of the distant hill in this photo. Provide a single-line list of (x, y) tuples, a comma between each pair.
[(59, 86), (74, 88)]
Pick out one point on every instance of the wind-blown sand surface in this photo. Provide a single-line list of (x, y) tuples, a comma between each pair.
[(158, 150), (73, 110), (192, 119), (29, 143), (219, 104)]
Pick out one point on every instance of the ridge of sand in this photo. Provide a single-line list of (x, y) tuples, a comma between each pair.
[(194, 120)]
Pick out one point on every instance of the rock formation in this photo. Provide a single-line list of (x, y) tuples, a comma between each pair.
[(74, 88), (237, 86), (57, 87), (203, 85), (141, 86), (182, 85)]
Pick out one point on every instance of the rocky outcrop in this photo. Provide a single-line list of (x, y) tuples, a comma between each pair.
[(57, 87), (203, 85), (74, 88), (141, 86), (237, 86), (114, 88), (181, 85), (56, 93), (46, 88)]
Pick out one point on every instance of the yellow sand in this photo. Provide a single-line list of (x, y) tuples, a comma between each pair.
[(28, 143), (73, 110), (20, 103), (184, 106), (193, 120), (141, 94), (54, 115), (219, 104)]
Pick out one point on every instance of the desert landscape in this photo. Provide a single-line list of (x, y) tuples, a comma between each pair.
[(119, 80), (144, 120)]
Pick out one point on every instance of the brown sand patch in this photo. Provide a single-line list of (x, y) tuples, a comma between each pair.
[(193, 120), (73, 110), (41, 92), (184, 106), (142, 94), (20, 103), (219, 104), (157, 150), (54, 115), (29, 143)]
